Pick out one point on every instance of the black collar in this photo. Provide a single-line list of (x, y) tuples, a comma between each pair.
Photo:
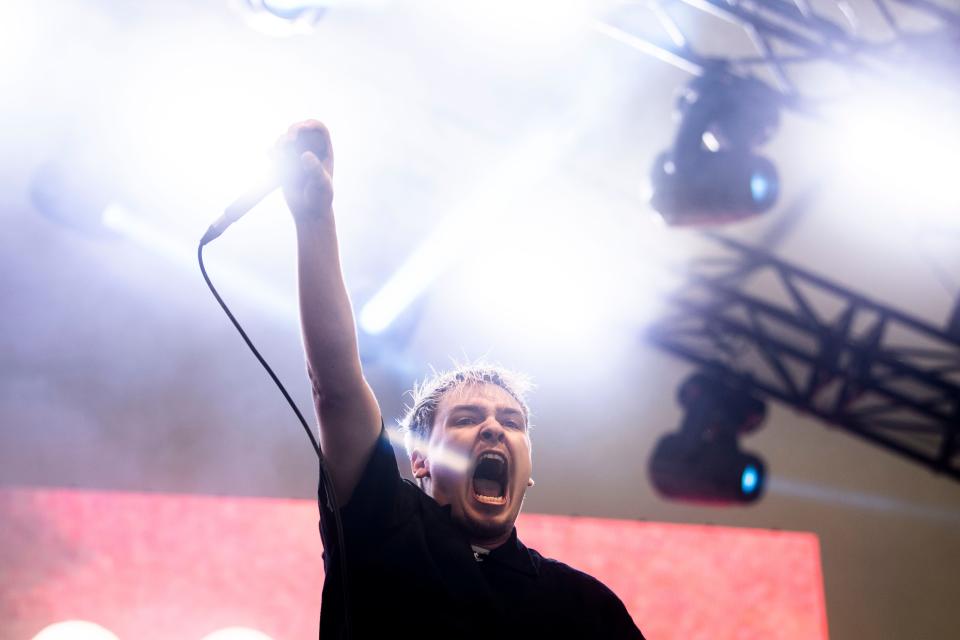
[(515, 555), (512, 554)]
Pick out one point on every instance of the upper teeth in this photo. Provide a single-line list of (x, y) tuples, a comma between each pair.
[(492, 455)]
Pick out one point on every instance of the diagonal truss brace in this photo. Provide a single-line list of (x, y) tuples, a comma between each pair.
[(790, 335), (775, 25)]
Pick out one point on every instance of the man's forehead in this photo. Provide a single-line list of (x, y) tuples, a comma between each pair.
[(482, 393)]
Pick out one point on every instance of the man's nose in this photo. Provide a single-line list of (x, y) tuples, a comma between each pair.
[(492, 431)]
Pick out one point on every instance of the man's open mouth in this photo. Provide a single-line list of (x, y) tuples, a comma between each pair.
[(490, 478)]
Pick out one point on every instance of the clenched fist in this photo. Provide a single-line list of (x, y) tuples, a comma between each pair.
[(306, 170)]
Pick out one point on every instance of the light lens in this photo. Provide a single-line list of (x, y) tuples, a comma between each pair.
[(750, 479), (759, 187)]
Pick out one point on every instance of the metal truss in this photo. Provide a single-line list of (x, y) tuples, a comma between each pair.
[(786, 33), (784, 333)]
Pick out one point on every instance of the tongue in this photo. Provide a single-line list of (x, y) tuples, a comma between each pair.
[(486, 487)]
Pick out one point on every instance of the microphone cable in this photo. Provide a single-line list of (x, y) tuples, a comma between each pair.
[(324, 472)]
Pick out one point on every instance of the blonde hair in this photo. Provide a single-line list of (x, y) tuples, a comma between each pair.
[(417, 423)]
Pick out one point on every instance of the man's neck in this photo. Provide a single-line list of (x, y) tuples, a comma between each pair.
[(492, 543)]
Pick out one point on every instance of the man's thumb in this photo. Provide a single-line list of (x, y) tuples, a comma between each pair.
[(310, 162), (313, 169)]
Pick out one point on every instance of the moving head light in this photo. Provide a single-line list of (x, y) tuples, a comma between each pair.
[(712, 175), (703, 462)]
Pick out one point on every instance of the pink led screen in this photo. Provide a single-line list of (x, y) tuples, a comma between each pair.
[(170, 566)]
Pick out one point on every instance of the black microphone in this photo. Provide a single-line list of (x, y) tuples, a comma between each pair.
[(236, 209)]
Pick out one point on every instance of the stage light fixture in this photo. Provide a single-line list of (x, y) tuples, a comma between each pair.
[(703, 462), (281, 18), (711, 174)]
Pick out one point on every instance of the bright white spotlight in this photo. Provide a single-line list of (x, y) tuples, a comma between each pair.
[(473, 224), (556, 273), (202, 119), (74, 630), (542, 277), (18, 38), (237, 633), (899, 151)]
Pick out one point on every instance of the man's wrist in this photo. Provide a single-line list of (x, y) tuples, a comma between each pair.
[(314, 222)]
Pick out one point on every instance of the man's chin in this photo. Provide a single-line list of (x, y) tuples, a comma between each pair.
[(480, 528)]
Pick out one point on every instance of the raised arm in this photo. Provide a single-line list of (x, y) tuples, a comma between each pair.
[(347, 410)]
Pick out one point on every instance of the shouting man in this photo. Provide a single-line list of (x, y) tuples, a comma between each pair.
[(441, 559)]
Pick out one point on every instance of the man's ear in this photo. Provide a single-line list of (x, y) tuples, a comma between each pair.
[(419, 465)]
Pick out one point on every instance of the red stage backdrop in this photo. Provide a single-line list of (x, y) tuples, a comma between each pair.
[(179, 567)]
